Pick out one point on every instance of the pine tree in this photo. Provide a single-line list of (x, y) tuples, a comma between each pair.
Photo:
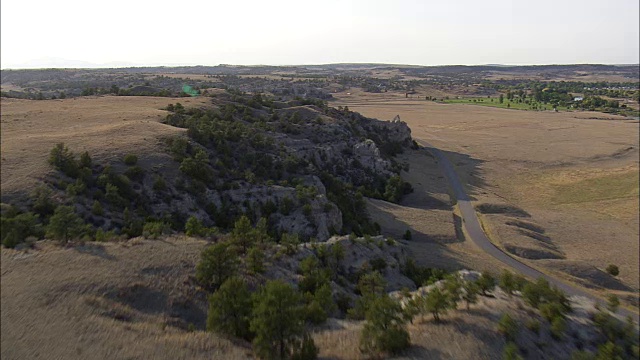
[(277, 320), (230, 309)]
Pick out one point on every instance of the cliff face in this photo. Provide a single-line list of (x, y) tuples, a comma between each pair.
[(317, 158)]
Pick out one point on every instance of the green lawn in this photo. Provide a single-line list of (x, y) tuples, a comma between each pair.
[(505, 105)]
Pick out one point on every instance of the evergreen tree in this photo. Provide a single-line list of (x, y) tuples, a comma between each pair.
[(384, 330), (218, 262), (64, 224), (277, 321), (230, 309)]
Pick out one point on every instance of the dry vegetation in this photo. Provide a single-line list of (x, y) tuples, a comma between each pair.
[(107, 126), (107, 301), (575, 173)]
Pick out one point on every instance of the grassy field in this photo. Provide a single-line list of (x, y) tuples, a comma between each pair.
[(106, 126), (574, 172), (606, 187), (505, 105)]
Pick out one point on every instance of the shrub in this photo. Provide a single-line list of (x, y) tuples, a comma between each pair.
[(130, 159), (486, 282), (307, 349), (378, 264), (194, 227), (153, 229), (159, 184), (64, 160), (558, 326), (407, 235), (470, 292), (508, 327), (613, 270), (613, 303), (533, 325), (507, 282), (510, 352)]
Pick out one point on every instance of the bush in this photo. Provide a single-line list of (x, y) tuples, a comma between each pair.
[(510, 352), (558, 326), (194, 227), (64, 160), (130, 159), (407, 235), (508, 327), (613, 270), (486, 282), (153, 229), (613, 303), (533, 325)]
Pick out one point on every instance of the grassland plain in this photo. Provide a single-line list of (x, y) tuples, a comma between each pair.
[(108, 127), (574, 173)]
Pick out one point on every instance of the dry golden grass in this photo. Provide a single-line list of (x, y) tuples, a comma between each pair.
[(107, 127), (64, 303), (574, 172)]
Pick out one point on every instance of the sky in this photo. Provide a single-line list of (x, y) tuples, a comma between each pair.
[(48, 33)]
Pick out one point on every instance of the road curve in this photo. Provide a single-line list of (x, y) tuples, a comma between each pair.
[(476, 233)]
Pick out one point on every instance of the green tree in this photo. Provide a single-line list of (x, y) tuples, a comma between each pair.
[(255, 260), (242, 233), (218, 262), (320, 305), (64, 224), (470, 292), (486, 282), (436, 302), (384, 330), (313, 276), (371, 283), (277, 321), (290, 242), (64, 160), (96, 208), (501, 99), (230, 309), (85, 160), (452, 287), (194, 227), (507, 282)]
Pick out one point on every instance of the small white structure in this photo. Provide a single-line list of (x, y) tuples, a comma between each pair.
[(578, 98)]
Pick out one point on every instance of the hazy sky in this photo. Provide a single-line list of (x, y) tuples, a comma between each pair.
[(40, 32)]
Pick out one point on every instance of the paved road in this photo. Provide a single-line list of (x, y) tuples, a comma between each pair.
[(477, 235)]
